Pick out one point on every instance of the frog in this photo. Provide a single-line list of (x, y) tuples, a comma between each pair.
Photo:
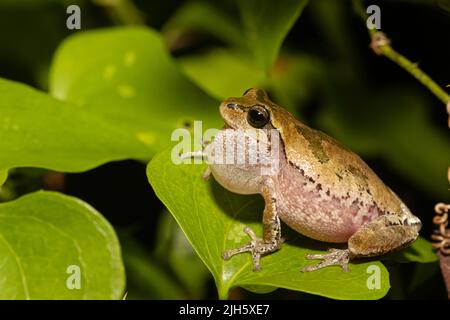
[(320, 189)]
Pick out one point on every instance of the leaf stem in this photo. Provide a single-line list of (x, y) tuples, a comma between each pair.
[(222, 291), (381, 46)]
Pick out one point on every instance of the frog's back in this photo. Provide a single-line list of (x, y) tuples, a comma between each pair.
[(334, 172)]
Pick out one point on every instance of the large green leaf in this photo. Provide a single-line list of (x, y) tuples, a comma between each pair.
[(117, 101), (259, 32), (45, 237), (213, 220), (266, 25), (126, 76), (37, 130), (421, 251), (222, 73), (3, 177), (212, 17), (292, 83)]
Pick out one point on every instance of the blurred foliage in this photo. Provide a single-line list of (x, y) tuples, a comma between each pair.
[(174, 248), (118, 92), (44, 233)]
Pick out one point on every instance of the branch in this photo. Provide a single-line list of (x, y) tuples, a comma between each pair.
[(381, 45)]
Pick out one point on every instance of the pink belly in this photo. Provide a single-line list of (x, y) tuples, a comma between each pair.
[(316, 210), (323, 220), (323, 217)]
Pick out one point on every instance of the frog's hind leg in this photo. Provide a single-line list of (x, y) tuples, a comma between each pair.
[(383, 235), (378, 237)]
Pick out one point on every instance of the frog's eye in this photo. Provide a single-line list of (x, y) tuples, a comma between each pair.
[(257, 116)]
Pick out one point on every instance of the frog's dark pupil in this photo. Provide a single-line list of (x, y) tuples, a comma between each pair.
[(257, 117)]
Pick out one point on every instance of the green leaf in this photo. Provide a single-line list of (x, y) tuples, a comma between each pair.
[(213, 220), (236, 71), (259, 32), (37, 130), (266, 25), (420, 251), (212, 18), (127, 77), (292, 82), (261, 289), (45, 233), (3, 177)]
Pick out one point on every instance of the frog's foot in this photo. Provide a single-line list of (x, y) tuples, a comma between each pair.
[(257, 247), (339, 257)]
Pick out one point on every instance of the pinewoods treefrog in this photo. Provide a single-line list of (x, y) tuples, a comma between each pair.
[(321, 189)]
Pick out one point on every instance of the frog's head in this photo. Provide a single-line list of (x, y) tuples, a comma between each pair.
[(252, 110), (246, 120)]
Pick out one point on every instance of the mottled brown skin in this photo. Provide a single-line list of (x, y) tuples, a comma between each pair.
[(322, 190)]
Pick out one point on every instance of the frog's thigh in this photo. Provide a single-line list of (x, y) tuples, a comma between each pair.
[(381, 236)]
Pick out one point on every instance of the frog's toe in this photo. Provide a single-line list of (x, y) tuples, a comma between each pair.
[(226, 255), (335, 257), (253, 247), (257, 247)]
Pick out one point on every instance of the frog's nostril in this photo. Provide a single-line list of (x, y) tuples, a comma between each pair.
[(232, 106)]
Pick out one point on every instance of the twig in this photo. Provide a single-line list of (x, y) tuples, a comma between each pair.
[(381, 45)]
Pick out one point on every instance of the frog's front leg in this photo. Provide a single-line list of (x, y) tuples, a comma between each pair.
[(380, 236), (271, 240), (201, 154)]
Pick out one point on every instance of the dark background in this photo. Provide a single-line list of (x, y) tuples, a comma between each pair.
[(120, 191)]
